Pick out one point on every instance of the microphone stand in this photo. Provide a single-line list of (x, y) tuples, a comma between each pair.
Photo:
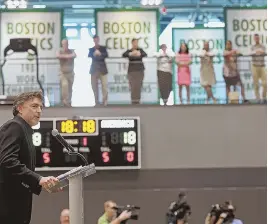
[(71, 151)]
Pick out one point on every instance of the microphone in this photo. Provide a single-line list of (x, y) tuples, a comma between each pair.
[(64, 143), (61, 140)]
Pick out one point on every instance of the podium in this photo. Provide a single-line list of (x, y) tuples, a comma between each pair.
[(74, 179)]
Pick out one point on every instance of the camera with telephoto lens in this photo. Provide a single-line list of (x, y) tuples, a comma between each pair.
[(179, 210), (130, 208), (226, 208)]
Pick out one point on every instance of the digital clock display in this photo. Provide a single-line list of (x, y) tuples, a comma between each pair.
[(78, 127), (109, 143)]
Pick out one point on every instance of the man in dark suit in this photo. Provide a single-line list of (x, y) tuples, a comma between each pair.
[(18, 181), (98, 70)]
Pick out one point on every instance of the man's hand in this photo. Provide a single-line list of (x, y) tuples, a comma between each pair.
[(48, 182), (124, 215), (222, 217), (208, 217), (97, 52), (55, 190)]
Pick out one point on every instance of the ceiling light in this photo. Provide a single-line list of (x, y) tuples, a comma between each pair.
[(151, 2), (12, 4), (39, 6)]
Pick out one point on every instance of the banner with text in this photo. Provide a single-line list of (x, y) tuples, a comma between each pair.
[(195, 39), (116, 29), (20, 71), (240, 26)]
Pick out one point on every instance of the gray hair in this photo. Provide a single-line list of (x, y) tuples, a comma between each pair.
[(23, 97)]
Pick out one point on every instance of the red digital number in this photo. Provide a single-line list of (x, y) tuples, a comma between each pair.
[(130, 157), (105, 157), (46, 157)]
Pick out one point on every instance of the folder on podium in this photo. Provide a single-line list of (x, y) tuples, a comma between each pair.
[(74, 179)]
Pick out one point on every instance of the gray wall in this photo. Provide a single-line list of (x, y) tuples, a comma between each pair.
[(214, 153)]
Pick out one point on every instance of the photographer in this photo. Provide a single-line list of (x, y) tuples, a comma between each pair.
[(222, 215), (228, 216), (109, 216), (214, 214), (179, 211)]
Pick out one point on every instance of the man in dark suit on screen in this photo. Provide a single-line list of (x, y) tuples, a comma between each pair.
[(18, 181), (99, 70)]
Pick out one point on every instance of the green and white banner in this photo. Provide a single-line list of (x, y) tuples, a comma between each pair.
[(116, 29), (45, 30), (240, 26), (195, 38)]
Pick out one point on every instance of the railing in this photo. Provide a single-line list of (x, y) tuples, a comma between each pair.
[(20, 75)]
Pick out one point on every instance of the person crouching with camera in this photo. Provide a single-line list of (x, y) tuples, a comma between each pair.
[(179, 211), (109, 216), (222, 214)]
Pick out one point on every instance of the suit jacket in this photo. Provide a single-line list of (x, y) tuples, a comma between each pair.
[(18, 181), (98, 62), (135, 63)]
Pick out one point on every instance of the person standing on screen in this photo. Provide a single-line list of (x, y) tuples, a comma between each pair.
[(135, 70), (18, 181), (66, 57), (230, 71), (99, 70), (183, 60), (164, 71), (259, 73), (207, 73)]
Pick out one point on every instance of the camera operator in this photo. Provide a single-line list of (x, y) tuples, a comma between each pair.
[(228, 216), (179, 211), (109, 216), (222, 215), (214, 214)]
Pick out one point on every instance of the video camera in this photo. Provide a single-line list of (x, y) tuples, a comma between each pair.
[(130, 208), (226, 208), (179, 210)]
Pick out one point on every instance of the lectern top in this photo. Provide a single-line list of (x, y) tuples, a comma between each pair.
[(83, 171)]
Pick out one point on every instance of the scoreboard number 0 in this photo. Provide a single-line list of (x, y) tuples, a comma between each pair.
[(130, 157)]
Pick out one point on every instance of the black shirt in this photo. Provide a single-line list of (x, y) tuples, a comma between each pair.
[(135, 62)]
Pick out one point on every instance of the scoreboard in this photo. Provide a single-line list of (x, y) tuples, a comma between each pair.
[(109, 143)]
